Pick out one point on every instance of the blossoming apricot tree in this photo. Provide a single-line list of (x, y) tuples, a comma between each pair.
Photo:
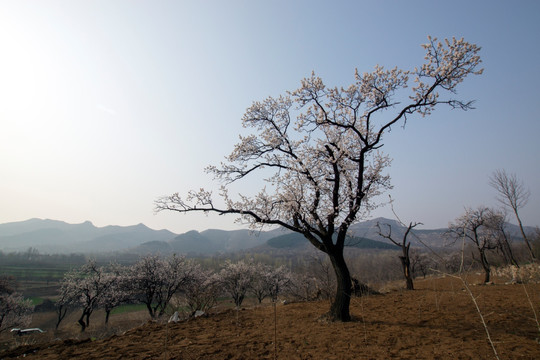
[(322, 144)]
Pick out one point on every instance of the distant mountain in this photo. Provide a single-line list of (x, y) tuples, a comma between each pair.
[(434, 238), (291, 240), (52, 236), (193, 242), (297, 241), (216, 241)]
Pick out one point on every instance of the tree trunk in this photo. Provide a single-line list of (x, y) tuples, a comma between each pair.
[(406, 264), (81, 321), (107, 313), (339, 310), (150, 310), (407, 273), (529, 247), (61, 312), (485, 265)]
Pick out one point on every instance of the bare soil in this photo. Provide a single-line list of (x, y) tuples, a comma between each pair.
[(436, 321)]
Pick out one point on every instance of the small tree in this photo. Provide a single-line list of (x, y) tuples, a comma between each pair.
[(15, 311), (235, 279), (85, 287), (421, 262), (119, 291), (475, 226), (498, 227), (278, 281), (404, 245), (514, 195), (320, 269), (61, 307), (155, 280), (321, 145), (201, 291), (259, 285), (268, 281), (303, 286)]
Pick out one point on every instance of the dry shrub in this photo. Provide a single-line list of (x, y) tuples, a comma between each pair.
[(529, 273)]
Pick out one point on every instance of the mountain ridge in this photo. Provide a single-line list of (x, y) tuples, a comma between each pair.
[(55, 236)]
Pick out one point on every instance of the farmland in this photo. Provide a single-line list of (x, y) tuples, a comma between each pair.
[(438, 320)]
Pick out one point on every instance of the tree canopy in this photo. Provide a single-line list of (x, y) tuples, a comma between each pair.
[(321, 146)]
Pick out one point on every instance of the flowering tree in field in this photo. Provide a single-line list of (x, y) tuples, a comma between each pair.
[(155, 280), (119, 291), (14, 309), (86, 287), (269, 281), (201, 291), (235, 279), (321, 145), (278, 280)]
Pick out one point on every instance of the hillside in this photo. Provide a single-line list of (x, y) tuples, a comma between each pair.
[(437, 321), (297, 241)]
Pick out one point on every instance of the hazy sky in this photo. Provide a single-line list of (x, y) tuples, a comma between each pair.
[(107, 105)]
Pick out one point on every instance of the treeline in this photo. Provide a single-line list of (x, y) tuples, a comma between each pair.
[(32, 257), (157, 282)]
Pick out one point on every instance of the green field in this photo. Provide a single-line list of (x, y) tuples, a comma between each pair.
[(128, 308), (35, 273)]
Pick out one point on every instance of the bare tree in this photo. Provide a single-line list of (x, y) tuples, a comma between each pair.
[(421, 262), (404, 245), (474, 226), (322, 146), (303, 287), (512, 194), (498, 226)]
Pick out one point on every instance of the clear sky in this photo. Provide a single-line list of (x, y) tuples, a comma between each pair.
[(107, 105)]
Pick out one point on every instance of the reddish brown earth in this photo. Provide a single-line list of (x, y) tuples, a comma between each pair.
[(436, 321)]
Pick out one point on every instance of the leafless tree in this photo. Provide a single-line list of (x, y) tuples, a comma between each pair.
[(405, 246), (474, 225), (323, 146), (303, 287), (497, 224), (512, 194), (421, 263)]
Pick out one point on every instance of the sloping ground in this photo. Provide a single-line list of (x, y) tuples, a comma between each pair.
[(437, 321)]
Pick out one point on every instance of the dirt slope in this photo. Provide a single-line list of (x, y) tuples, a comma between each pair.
[(436, 321)]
